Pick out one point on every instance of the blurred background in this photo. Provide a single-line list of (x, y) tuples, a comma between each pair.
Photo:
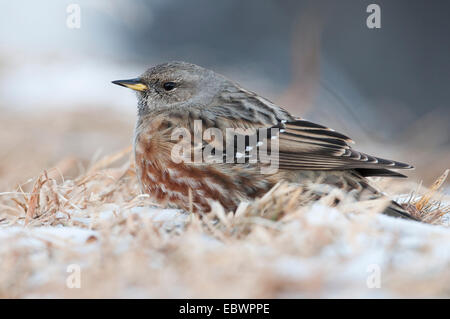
[(387, 88)]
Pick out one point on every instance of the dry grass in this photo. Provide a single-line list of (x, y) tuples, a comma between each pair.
[(286, 244), (251, 253)]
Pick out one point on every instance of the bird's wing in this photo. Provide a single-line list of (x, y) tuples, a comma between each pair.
[(303, 145), (306, 145)]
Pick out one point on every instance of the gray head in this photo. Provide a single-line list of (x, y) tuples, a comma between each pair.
[(175, 84)]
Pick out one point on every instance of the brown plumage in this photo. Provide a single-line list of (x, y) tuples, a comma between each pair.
[(177, 95)]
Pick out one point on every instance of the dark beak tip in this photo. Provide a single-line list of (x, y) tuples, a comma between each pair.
[(134, 84)]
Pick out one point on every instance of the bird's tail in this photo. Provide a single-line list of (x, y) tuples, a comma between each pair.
[(395, 210)]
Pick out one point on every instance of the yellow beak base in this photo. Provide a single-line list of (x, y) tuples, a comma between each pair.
[(134, 84)]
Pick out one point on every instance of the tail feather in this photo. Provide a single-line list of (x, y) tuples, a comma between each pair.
[(395, 210), (366, 172)]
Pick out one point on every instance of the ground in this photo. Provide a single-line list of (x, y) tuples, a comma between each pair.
[(96, 236)]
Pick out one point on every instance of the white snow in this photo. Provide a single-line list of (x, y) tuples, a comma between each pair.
[(388, 245)]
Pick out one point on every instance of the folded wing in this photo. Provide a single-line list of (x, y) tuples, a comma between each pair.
[(308, 146)]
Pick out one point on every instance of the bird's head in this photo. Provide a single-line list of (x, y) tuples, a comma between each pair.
[(175, 84)]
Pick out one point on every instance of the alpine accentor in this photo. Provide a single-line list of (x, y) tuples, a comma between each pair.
[(179, 95)]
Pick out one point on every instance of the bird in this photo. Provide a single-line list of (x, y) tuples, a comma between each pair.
[(267, 145)]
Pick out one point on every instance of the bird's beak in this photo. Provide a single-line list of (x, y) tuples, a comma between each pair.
[(134, 84)]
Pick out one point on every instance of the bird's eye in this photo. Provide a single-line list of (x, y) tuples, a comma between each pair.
[(168, 86)]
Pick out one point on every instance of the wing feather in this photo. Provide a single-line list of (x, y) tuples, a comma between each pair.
[(303, 145), (307, 145)]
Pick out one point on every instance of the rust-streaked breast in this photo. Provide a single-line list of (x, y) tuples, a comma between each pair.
[(173, 184)]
